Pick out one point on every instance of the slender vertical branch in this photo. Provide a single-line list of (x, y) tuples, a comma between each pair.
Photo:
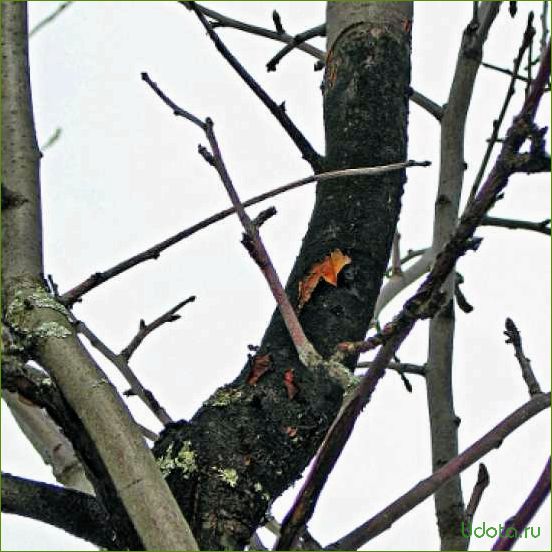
[(449, 502)]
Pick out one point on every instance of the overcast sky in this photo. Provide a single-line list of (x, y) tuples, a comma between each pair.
[(125, 174)]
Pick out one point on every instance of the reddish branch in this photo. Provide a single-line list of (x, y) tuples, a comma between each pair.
[(425, 303), (425, 488), (515, 526)]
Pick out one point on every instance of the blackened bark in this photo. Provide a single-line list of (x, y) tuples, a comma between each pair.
[(248, 443)]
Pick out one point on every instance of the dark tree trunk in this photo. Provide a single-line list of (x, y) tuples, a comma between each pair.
[(248, 443)]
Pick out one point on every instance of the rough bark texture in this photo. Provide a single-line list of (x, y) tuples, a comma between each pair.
[(248, 443)]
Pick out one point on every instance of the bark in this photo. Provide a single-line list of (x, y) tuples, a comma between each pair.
[(42, 325), (248, 443)]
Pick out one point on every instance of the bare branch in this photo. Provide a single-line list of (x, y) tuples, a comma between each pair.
[(121, 364), (307, 151), (542, 227), (515, 526), (279, 35), (544, 25), (56, 135), (77, 513), (98, 278), (514, 337), (527, 37), (509, 72), (425, 488), (479, 488), (146, 329), (319, 30), (425, 103), (57, 12), (400, 367)]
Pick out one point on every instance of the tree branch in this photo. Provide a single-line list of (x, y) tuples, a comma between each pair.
[(449, 503), (77, 513), (122, 365), (57, 12), (145, 329), (40, 320), (542, 227), (481, 484), (228, 22), (307, 151), (425, 488), (98, 278), (319, 30), (515, 526), (514, 337)]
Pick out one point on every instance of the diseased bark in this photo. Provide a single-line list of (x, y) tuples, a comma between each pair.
[(250, 442)]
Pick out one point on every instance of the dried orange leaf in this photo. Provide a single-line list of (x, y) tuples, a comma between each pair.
[(259, 365), (327, 270), (291, 388)]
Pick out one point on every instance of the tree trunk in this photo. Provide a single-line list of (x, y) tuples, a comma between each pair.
[(248, 443)]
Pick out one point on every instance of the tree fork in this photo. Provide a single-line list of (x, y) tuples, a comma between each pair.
[(248, 443)]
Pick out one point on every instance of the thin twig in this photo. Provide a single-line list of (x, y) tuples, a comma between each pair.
[(178, 111), (481, 484), (41, 24), (509, 72), (55, 136), (542, 227), (145, 329), (122, 365), (527, 37), (544, 25), (279, 35), (319, 30), (514, 337), (396, 267), (307, 151), (514, 526), (400, 367), (96, 279), (425, 488)]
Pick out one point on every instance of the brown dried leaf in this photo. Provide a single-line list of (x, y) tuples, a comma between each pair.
[(291, 388), (260, 364), (327, 270)]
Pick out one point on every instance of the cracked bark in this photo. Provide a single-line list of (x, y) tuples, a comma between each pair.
[(244, 456)]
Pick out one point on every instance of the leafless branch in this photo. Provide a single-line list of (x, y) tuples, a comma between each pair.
[(425, 488), (463, 303), (426, 301), (479, 488), (542, 227), (514, 337), (319, 30), (544, 25), (57, 12), (122, 365), (56, 135), (527, 37), (515, 526), (505, 71), (145, 329), (425, 103), (400, 367), (77, 513), (98, 278), (307, 151), (281, 36)]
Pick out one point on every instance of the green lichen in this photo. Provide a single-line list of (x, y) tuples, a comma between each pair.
[(51, 329), (224, 396), (19, 319), (185, 460), (228, 475)]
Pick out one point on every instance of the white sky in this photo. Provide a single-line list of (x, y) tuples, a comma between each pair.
[(126, 174)]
